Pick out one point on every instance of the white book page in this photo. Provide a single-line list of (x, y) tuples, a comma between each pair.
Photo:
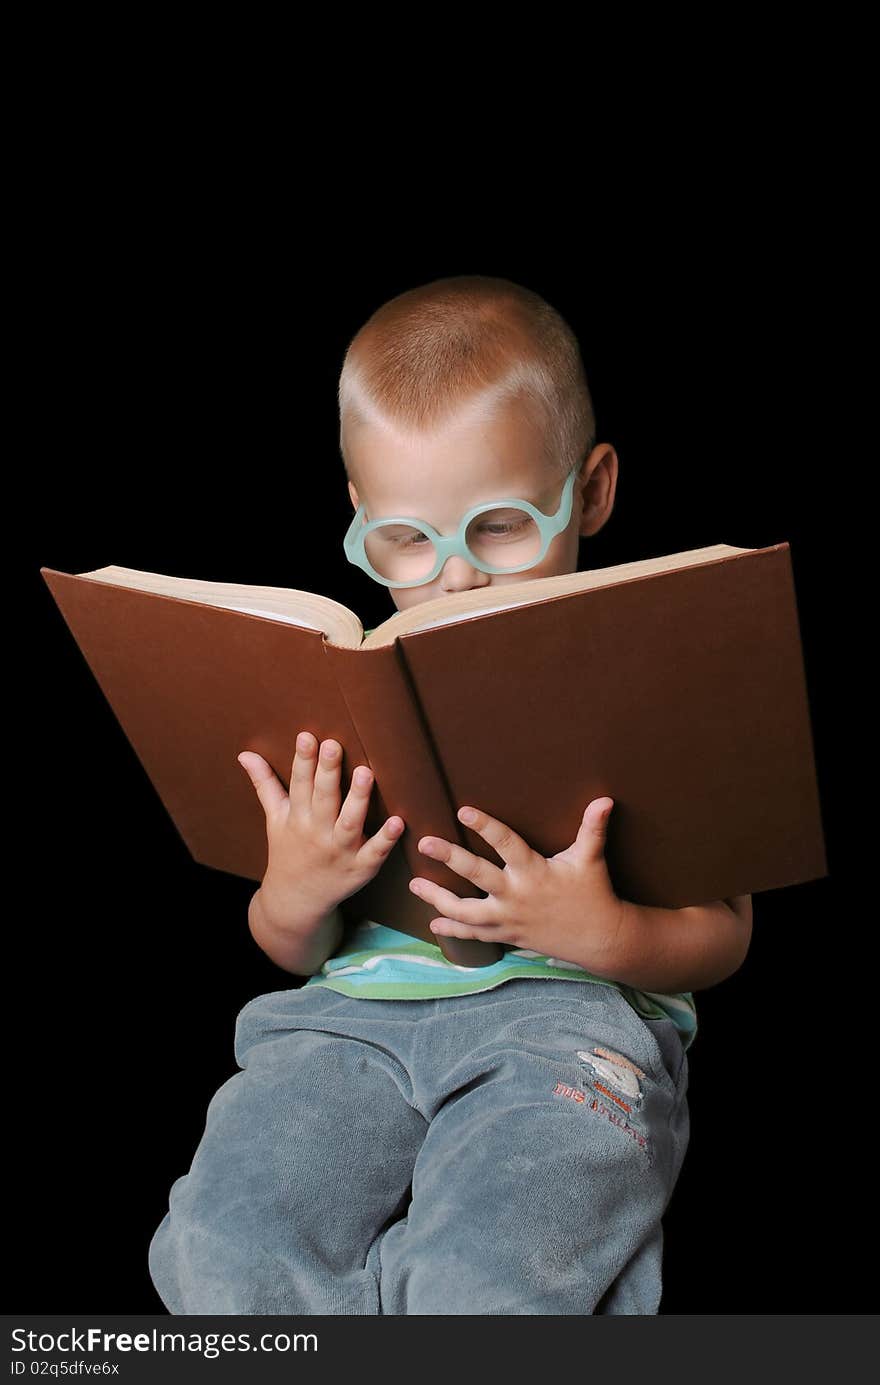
[(467, 615), (272, 615)]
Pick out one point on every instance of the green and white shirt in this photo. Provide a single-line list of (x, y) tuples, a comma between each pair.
[(381, 963)]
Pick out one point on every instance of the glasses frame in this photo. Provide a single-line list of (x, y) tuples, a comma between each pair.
[(454, 545)]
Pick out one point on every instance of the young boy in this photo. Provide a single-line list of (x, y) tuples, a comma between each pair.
[(407, 1136)]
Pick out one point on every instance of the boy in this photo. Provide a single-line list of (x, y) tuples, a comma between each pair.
[(407, 1136)]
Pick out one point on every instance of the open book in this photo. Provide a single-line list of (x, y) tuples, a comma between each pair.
[(674, 685)]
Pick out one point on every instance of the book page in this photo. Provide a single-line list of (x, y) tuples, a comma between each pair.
[(307, 609), (434, 621), (460, 606), (272, 615)]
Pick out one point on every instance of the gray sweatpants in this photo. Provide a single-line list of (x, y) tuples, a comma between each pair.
[(511, 1151)]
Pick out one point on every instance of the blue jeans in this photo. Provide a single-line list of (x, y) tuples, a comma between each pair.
[(511, 1151)]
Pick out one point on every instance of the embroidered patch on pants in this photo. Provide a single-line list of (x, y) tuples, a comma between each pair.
[(614, 1093), (596, 1104), (615, 1074)]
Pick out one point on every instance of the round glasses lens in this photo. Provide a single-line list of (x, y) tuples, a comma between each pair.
[(505, 537), (400, 552)]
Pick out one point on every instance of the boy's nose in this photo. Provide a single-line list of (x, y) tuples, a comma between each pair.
[(458, 575)]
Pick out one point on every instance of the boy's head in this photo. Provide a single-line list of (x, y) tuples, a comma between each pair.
[(456, 394)]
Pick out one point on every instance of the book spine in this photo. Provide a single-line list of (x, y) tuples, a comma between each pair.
[(381, 702)]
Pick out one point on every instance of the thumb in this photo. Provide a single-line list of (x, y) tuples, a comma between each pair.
[(594, 828)]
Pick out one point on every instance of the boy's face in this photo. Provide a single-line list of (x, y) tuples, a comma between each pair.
[(438, 477)]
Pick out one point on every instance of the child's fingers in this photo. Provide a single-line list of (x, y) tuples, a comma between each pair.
[(326, 794), (350, 823), (302, 774), (374, 851), (270, 790)]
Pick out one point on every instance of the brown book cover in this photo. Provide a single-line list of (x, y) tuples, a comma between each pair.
[(674, 685)]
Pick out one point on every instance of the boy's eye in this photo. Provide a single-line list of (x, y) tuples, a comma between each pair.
[(400, 537), (501, 527)]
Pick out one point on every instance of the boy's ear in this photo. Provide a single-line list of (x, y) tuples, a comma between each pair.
[(353, 495), (599, 487)]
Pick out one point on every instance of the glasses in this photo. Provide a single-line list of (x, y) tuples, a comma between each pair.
[(500, 536)]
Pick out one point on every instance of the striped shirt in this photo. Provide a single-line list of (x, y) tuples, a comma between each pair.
[(380, 963)]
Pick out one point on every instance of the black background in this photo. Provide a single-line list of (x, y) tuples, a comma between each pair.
[(183, 355)]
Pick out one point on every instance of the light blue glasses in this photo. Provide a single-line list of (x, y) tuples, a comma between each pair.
[(500, 536)]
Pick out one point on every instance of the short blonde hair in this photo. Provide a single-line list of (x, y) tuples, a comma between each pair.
[(468, 341)]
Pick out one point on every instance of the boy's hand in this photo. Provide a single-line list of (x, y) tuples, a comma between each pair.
[(562, 906), (318, 855)]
